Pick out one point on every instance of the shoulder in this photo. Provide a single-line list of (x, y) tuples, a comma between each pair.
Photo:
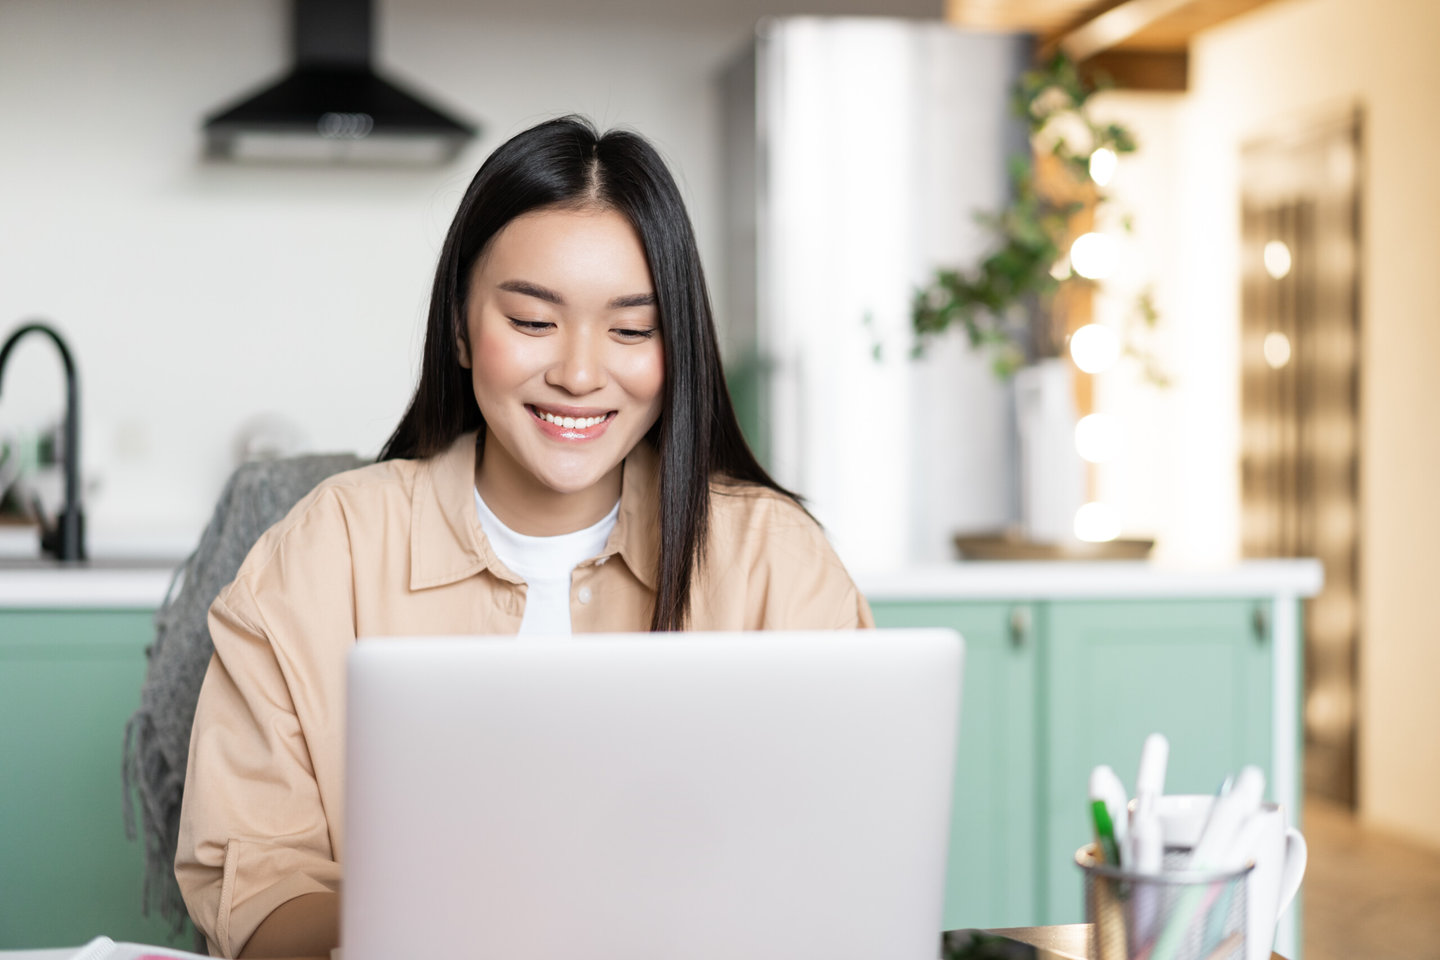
[(371, 486), (767, 555), (759, 527), (738, 507), (322, 523)]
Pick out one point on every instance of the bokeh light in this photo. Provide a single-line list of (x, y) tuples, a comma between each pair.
[(1277, 259), (1102, 165), (1099, 437), (1277, 349), (1093, 256), (1094, 348)]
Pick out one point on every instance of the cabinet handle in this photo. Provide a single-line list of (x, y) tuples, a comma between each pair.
[(1260, 623), (1019, 626)]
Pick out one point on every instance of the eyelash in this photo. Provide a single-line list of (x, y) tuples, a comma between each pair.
[(537, 326)]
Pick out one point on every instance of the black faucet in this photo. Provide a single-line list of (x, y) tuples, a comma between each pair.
[(66, 539)]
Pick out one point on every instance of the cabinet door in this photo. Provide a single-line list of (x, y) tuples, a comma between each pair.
[(68, 682), (1197, 671), (992, 876)]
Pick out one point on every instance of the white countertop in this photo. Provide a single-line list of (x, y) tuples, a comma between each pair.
[(141, 584), (1091, 579), (101, 584)]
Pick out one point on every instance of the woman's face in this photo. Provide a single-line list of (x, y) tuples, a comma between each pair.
[(566, 358)]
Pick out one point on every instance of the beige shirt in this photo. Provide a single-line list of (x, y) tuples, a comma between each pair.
[(396, 549)]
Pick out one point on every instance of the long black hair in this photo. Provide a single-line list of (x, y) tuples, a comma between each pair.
[(567, 163)]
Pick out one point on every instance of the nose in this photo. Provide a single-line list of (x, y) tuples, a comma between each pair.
[(579, 368)]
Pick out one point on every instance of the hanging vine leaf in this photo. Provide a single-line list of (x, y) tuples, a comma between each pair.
[(1003, 302)]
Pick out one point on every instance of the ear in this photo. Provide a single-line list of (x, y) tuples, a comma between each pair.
[(462, 348)]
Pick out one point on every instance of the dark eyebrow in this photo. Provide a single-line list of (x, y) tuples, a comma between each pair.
[(633, 300), (550, 296), (533, 290)]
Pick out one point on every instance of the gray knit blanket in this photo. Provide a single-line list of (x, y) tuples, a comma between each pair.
[(157, 737)]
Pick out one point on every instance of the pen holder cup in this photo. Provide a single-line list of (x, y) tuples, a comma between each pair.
[(1173, 915)]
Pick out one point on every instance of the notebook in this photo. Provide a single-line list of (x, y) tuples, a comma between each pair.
[(633, 796)]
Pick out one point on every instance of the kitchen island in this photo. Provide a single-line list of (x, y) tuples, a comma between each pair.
[(1071, 664), (1067, 665), (72, 658)]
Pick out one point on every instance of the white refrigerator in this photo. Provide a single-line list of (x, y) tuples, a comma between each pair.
[(858, 152)]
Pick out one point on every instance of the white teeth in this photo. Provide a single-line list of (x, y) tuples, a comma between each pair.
[(571, 423)]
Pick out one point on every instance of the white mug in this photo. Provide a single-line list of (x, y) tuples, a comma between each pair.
[(1280, 855)]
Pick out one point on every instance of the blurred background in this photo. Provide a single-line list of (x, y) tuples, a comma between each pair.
[(1280, 213)]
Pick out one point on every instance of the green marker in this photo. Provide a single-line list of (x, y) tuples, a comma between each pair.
[(1105, 832)]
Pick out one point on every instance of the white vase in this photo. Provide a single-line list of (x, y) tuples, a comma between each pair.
[(1052, 475)]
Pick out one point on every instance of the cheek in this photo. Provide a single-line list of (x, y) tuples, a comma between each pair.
[(645, 374), (498, 361)]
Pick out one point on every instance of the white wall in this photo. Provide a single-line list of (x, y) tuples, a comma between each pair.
[(1286, 63), (199, 295)]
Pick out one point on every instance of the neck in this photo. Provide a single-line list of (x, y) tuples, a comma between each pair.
[(526, 507)]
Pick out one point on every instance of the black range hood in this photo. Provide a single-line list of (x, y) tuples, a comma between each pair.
[(332, 106)]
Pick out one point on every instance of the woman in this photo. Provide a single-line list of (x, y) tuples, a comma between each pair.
[(570, 462)]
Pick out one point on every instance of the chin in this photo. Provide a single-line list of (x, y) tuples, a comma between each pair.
[(571, 481)]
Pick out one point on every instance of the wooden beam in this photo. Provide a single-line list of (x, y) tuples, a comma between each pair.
[(1052, 35), (1177, 29), (1114, 26), (1042, 17), (1161, 71), (1135, 25)]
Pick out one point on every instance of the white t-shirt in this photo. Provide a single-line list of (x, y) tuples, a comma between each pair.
[(545, 563)]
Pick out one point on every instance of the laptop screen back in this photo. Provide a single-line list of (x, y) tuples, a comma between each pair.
[(619, 797)]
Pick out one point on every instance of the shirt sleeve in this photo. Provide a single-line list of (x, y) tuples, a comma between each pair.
[(863, 617), (253, 832), (263, 779)]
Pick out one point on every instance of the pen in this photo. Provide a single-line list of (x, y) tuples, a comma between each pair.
[(1105, 832), (1147, 846), (1147, 857), (1106, 786), (1150, 777), (1226, 947), (1154, 757), (1227, 815)]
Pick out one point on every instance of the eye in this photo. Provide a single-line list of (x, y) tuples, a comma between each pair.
[(633, 334), (531, 326)]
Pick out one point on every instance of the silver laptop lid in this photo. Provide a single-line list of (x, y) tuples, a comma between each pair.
[(623, 797)]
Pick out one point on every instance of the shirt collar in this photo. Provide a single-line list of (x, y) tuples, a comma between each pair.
[(447, 544)]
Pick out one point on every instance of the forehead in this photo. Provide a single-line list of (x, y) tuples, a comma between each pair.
[(586, 249)]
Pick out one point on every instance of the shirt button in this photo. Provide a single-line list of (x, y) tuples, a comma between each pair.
[(584, 595)]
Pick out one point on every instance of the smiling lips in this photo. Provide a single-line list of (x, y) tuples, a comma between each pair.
[(564, 425)]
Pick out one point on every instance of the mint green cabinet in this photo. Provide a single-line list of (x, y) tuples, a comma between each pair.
[(1197, 670), (1050, 689), (68, 682), (1053, 688), (993, 861)]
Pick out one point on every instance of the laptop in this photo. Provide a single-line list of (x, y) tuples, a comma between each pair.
[(745, 796)]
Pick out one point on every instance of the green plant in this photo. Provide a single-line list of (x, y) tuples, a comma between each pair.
[(1006, 302)]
